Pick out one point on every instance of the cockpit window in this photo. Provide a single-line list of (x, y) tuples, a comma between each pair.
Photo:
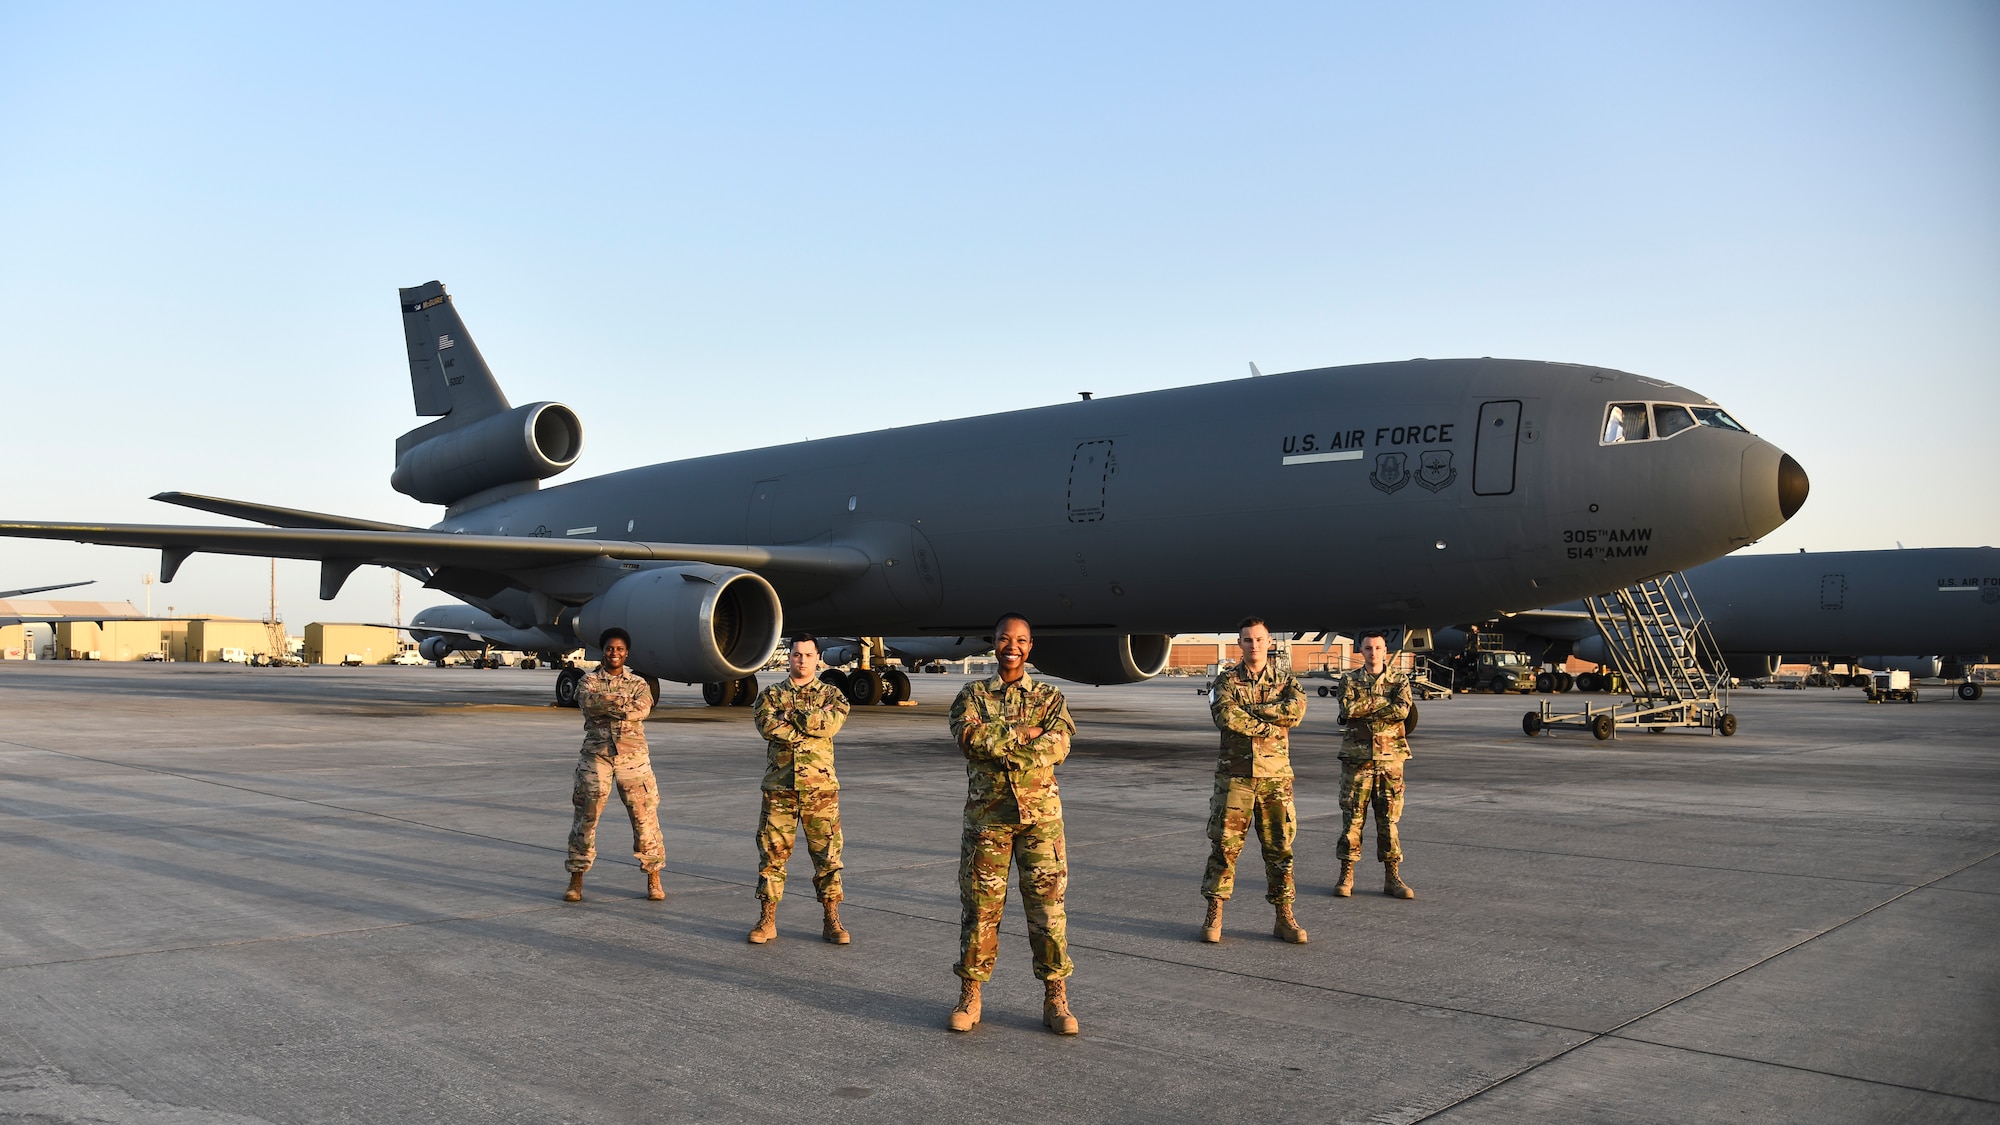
[(1626, 421), (1717, 417), (1669, 419)]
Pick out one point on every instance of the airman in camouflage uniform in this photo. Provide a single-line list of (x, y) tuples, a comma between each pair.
[(798, 718), (1014, 731), (1374, 701), (1254, 705), (615, 703)]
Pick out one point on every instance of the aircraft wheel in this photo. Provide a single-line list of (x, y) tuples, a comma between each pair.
[(746, 692), (1324, 692), (1657, 730), (864, 687), (1545, 682), (719, 693), (1531, 723), (1726, 725), (895, 687), (1586, 681), (835, 677), (1601, 727), (1502, 684), (1970, 692), (566, 685), (653, 688), (1564, 681), (1410, 720), (528, 664)]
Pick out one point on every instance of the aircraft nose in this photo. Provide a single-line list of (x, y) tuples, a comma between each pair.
[(1792, 486), (1774, 487)]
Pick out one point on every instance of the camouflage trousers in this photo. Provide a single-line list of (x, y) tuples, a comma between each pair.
[(1365, 784), (632, 776), (1239, 805), (786, 811), (984, 854)]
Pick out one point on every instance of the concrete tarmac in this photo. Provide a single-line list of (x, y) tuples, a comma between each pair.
[(304, 895)]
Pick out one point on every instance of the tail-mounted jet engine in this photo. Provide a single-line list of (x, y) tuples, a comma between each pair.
[(1124, 659), (695, 623), (528, 443)]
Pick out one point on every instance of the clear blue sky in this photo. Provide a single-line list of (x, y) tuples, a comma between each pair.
[(735, 225)]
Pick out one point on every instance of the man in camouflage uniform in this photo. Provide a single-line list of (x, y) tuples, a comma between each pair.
[(1374, 702), (615, 703), (798, 718), (1254, 705), (1014, 731)]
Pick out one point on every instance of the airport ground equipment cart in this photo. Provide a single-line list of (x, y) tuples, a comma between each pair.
[(1658, 641), (1891, 687)]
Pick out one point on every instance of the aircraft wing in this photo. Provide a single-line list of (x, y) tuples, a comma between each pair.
[(14, 611), (5, 594), (273, 515), (340, 550)]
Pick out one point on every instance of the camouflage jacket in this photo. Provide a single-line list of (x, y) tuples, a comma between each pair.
[(799, 723), (1254, 712), (1008, 779), (614, 707), (1374, 707)]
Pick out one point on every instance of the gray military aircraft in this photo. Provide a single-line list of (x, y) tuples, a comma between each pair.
[(1847, 607), (1436, 490)]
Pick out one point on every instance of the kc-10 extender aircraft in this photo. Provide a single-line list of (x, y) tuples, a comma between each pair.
[(1939, 607), (1420, 492)]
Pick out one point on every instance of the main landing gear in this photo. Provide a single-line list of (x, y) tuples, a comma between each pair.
[(867, 687)]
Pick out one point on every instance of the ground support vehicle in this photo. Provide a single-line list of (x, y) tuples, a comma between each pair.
[(1659, 643), (1891, 687)]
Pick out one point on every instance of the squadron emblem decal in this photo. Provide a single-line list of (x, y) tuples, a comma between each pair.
[(1434, 470), (1390, 471)]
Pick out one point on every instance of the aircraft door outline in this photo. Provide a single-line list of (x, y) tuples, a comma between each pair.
[(1496, 447), (757, 515), (1833, 591), (1091, 468)]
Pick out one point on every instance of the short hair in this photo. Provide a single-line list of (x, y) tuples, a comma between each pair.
[(1248, 622), (804, 637), (1005, 618), (613, 634), (1374, 633)]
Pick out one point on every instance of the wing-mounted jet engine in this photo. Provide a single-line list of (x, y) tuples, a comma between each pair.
[(481, 449), (695, 623), (1126, 658)]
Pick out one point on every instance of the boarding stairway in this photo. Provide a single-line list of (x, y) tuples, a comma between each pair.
[(1656, 637)]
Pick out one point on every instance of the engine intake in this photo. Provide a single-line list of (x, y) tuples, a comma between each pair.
[(694, 623), (532, 442), (1123, 659)]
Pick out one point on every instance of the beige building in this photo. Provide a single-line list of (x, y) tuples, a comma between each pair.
[(118, 640), (328, 643), (208, 636)]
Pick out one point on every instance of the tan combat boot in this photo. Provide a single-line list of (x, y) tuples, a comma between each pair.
[(767, 925), (575, 892), (1287, 927), (1211, 926), (831, 929), (1055, 1008), (653, 889), (965, 1017), (1345, 888), (1392, 883)]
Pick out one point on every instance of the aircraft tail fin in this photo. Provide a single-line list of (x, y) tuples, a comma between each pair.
[(448, 376)]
